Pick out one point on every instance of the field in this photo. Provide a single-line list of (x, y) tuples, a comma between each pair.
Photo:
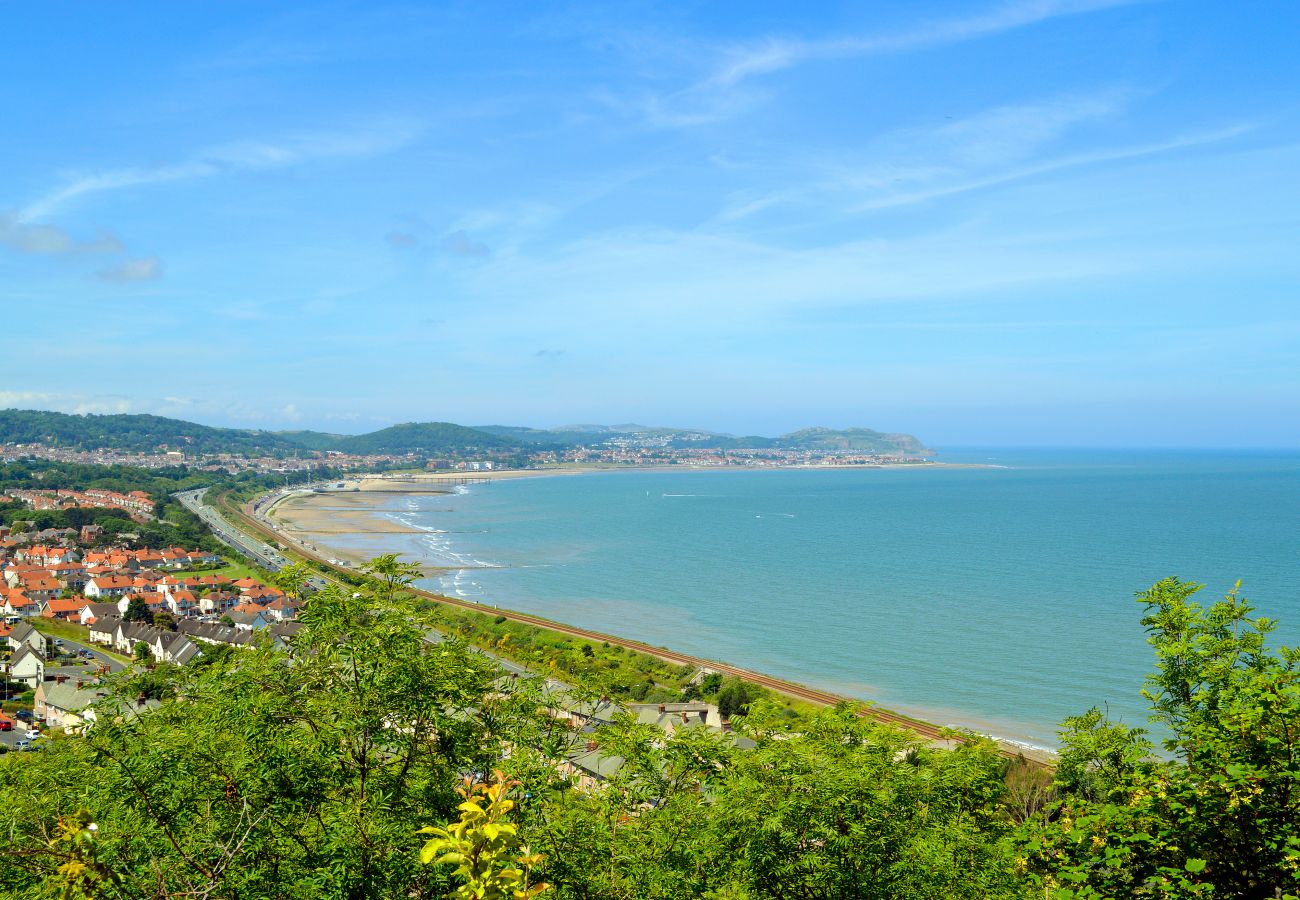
[(233, 570)]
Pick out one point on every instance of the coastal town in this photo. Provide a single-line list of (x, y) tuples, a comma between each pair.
[(123, 605), (78, 609), (307, 465)]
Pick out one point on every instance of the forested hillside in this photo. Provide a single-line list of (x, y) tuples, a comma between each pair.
[(135, 433), (424, 438), (312, 771)]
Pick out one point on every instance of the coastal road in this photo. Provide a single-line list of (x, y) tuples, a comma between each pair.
[(260, 552), (247, 519)]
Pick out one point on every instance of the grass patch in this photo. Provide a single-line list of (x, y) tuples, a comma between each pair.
[(233, 570), (78, 633)]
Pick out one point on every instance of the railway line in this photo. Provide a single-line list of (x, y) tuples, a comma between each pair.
[(247, 518)]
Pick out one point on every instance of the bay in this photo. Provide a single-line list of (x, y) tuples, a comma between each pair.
[(998, 597)]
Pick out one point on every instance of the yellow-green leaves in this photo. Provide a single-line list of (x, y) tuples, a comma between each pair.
[(483, 846)]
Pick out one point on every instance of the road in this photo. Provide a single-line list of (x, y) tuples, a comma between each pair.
[(99, 655), (260, 552)]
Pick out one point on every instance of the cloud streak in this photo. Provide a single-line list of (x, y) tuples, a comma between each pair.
[(720, 94), (1071, 161), (774, 55), (237, 156), (997, 146)]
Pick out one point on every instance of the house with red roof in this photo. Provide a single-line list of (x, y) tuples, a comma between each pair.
[(182, 603), (107, 586), (41, 588), (16, 603), (66, 610)]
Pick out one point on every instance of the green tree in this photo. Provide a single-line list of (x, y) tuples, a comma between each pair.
[(137, 611), (1222, 816), (735, 695), (298, 773)]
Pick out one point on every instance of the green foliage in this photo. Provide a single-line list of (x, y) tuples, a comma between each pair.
[(81, 875), (295, 774), (304, 772), (138, 433), (484, 847), (137, 611), (436, 438), (845, 807), (1220, 818), (735, 695)]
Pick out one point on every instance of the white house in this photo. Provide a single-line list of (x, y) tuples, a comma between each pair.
[(27, 666), (25, 635)]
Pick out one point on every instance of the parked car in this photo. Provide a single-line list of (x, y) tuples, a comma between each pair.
[(6, 723), (23, 744), (24, 714)]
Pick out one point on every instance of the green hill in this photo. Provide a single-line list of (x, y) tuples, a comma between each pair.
[(852, 440), (147, 433), (312, 440), (134, 433), (426, 437)]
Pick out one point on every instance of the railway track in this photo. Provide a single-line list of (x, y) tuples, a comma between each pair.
[(790, 689)]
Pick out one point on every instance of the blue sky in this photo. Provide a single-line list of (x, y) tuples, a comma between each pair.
[(1024, 222)]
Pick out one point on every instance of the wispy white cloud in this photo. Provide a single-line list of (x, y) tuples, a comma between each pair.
[(1070, 161), (232, 157), (774, 54), (989, 148), (719, 94)]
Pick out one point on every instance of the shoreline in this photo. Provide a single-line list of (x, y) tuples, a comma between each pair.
[(312, 521)]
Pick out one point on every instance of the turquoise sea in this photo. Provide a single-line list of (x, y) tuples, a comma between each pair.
[(999, 598)]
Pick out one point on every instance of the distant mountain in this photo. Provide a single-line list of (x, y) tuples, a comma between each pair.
[(826, 440), (145, 433), (853, 440), (312, 440), (432, 438), (134, 433)]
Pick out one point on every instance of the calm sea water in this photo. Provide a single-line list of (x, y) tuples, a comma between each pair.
[(999, 598)]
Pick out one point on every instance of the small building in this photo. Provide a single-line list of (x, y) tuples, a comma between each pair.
[(23, 634), (27, 665)]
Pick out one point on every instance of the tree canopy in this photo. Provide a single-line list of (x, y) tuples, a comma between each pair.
[(368, 757)]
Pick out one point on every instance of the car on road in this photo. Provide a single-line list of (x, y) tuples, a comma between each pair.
[(23, 744), (85, 653), (58, 642)]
